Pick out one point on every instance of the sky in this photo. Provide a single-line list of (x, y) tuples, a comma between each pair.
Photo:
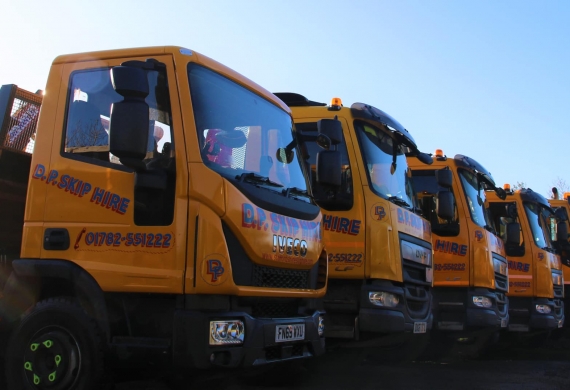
[(487, 79)]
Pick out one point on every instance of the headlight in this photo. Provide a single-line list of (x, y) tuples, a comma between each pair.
[(557, 279), (544, 309), (226, 332), (321, 327), (482, 301), (383, 299)]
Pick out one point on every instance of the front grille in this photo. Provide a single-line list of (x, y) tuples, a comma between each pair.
[(558, 291), (501, 282), (415, 273), (279, 277), (418, 300), (558, 308), (275, 309), (276, 352), (501, 303), (417, 290)]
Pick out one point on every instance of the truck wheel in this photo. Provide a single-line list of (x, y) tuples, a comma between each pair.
[(57, 346)]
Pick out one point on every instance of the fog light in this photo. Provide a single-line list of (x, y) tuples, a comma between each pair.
[(321, 327), (482, 301), (543, 309), (383, 299), (226, 332)]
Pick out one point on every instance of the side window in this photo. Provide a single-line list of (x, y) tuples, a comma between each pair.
[(89, 105), (90, 97), (503, 213), (427, 188), (343, 197), (86, 137)]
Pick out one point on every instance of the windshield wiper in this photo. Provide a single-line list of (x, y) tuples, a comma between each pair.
[(296, 191), (252, 177), (399, 201)]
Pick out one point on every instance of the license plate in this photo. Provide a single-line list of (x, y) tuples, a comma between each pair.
[(289, 332), (504, 323), (420, 327)]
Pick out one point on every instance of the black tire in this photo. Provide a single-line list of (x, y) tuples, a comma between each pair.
[(56, 346)]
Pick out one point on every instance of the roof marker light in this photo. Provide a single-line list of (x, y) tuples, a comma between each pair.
[(438, 153), (507, 187), (336, 102)]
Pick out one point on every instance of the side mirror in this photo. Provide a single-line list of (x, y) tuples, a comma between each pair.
[(444, 177), (329, 168), (324, 141), (425, 158), (445, 205), (332, 128), (560, 214), (512, 211), (284, 156), (513, 245), (501, 193), (513, 234), (562, 232), (129, 119)]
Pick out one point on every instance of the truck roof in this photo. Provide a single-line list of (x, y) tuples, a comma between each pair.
[(177, 52), (357, 110)]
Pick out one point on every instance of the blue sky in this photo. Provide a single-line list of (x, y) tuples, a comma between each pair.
[(488, 79)]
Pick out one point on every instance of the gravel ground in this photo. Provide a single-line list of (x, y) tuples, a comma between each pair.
[(515, 368)]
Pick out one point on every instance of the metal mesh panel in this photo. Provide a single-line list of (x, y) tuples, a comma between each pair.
[(280, 277), (238, 154), (21, 128)]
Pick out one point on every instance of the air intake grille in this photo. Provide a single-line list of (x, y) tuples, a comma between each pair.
[(501, 282), (279, 277)]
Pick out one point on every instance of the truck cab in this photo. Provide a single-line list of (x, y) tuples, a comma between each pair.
[(536, 282), (470, 265), (562, 211), (379, 248), (158, 218)]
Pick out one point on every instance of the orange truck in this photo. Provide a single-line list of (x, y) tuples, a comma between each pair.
[(470, 265), (562, 211), (155, 214), (379, 248), (536, 281)]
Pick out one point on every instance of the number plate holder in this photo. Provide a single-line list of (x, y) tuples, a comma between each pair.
[(293, 332), (420, 327)]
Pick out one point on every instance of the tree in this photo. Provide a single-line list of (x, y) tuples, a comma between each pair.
[(519, 185), (560, 186)]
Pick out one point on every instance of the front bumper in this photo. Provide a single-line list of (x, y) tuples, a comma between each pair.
[(414, 306), (455, 311), (191, 340), (524, 316)]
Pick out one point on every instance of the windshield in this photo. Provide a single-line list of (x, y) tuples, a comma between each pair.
[(377, 150), (538, 219), (475, 197), (240, 132)]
